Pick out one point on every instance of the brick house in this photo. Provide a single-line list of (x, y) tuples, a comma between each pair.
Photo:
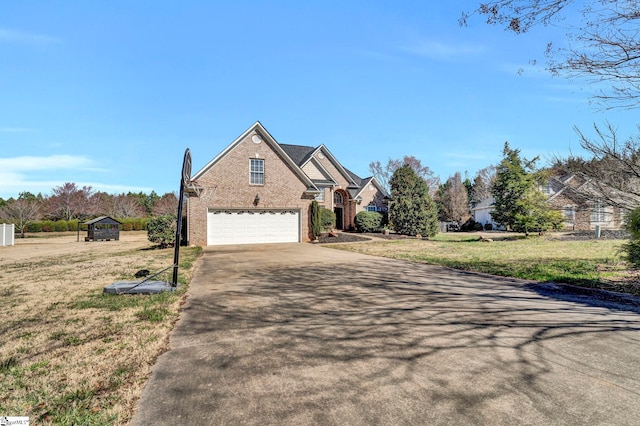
[(581, 212), (259, 191), (567, 194)]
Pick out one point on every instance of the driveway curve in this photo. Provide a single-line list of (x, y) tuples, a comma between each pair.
[(294, 334)]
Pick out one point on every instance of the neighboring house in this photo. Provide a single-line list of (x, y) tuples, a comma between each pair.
[(567, 194), (581, 212), (482, 213), (259, 191)]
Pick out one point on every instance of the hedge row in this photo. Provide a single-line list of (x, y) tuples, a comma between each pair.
[(136, 224)]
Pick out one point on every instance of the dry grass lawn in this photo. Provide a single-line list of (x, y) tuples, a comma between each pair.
[(590, 263), (68, 353)]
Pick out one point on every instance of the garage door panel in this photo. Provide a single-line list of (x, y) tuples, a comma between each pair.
[(252, 227)]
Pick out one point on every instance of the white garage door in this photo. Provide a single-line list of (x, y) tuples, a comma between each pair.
[(252, 226)]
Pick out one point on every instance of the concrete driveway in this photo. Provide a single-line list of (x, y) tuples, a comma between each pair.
[(298, 334)]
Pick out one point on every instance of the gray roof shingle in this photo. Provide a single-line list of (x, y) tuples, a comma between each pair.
[(298, 153)]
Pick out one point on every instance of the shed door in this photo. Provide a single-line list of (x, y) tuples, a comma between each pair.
[(252, 226)]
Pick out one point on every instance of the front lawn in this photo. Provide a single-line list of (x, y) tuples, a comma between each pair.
[(70, 354), (589, 263)]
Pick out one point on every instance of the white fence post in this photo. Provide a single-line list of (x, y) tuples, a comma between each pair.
[(7, 234)]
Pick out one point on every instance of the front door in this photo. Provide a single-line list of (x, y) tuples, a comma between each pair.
[(339, 222)]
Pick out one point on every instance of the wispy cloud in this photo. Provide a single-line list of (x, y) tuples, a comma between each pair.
[(439, 50), (17, 174), (53, 162), (41, 174), (21, 37), (115, 189)]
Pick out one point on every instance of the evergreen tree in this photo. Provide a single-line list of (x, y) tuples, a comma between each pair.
[(412, 211), (519, 205), (316, 225)]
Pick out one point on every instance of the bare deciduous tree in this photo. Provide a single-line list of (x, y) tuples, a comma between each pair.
[(602, 45), (613, 173), (98, 204), (454, 200), (21, 212), (68, 201), (481, 188), (166, 205), (384, 172), (125, 206)]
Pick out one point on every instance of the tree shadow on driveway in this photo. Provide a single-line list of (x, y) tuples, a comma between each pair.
[(368, 340)]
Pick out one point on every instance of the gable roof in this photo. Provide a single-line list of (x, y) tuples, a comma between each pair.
[(569, 190), (371, 180), (103, 220), (486, 203), (357, 179), (273, 144), (297, 156), (298, 153), (344, 172), (303, 154)]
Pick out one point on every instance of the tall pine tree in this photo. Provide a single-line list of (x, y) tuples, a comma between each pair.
[(519, 205), (412, 211)]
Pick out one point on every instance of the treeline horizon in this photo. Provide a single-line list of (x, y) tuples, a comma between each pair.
[(69, 202)]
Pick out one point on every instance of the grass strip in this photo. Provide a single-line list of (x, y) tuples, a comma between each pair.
[(588, 263)]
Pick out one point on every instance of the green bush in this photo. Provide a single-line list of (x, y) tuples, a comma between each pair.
[(369, 222), (632, 248), (34, 227), (48, 226), (139, 224), (133, 224), (72, 225), (468, 226), (162, 230), (631, 251), (60, 226), (327, 219), (488, 226)]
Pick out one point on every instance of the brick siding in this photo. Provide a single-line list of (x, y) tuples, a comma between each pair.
[(226, 185)]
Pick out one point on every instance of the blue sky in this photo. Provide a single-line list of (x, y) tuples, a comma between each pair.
[(109, 94)]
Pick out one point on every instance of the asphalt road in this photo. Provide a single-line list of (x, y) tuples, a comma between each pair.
[(298, 334)]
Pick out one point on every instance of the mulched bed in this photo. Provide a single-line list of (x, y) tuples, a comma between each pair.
[(605, 234), (342, 237)]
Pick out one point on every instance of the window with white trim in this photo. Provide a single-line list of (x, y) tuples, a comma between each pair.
[(598, 211), (546, 188), (372, 207), (569, 213), (337, 198), (320, 196), (256, 172)]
